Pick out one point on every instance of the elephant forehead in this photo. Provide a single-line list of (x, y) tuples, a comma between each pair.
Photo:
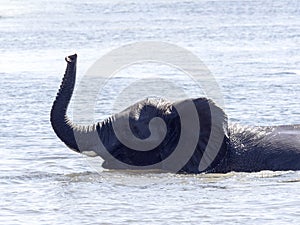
[(148, 109)]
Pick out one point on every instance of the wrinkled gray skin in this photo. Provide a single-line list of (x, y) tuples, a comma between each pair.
[(244, 149)]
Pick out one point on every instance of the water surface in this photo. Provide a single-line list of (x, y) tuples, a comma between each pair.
[(252, 49)]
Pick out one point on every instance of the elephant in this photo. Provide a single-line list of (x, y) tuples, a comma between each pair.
[(240, 148)]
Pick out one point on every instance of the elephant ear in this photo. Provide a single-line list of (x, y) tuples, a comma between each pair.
[(211, 148)]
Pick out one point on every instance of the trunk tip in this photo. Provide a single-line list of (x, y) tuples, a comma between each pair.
[(71, 58)]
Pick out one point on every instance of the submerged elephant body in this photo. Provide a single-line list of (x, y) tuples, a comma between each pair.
[(241, 149)]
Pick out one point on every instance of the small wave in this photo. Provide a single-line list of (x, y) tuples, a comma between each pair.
[(282, 73), (22, 178), (291, 181), (271, 174)]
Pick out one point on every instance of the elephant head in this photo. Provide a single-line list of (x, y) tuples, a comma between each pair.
[(146, 134)]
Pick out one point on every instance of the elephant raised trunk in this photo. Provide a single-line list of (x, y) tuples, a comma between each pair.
[(61, 124), (78, 138)]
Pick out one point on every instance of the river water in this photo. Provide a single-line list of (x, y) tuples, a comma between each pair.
[(252, 49)]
